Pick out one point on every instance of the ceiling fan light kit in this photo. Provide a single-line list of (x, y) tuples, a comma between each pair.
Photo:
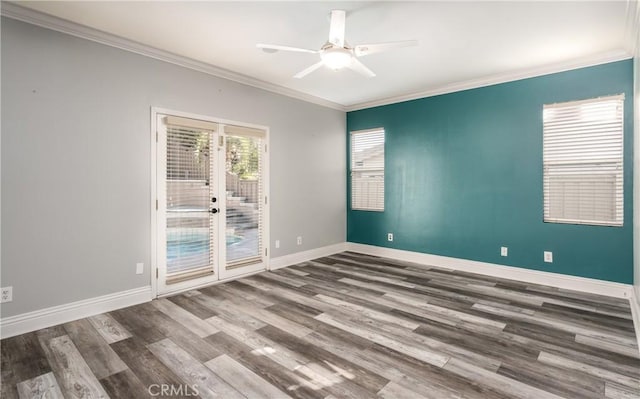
[(336, 57), (335, 54)]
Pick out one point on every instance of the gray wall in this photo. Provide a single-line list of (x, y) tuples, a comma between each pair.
[(76, 171)]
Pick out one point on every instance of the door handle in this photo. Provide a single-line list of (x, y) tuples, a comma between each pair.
[(214, 210)]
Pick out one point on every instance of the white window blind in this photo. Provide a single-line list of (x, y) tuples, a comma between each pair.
[(189, 240), (245, 195), (582, 159), (367, 170)]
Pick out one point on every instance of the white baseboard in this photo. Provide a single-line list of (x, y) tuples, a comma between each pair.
[(19, 324), (298, 257), (43, 318), (593, 286)]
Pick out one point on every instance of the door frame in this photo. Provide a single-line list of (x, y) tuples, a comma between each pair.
[(153, 198)]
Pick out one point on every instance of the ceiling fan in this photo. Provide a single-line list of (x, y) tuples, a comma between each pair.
[(336, 53)]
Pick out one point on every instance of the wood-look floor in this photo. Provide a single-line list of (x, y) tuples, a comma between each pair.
[(344, 326)]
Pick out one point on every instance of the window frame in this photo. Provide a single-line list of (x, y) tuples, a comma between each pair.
[(377, 203), (592, 165)]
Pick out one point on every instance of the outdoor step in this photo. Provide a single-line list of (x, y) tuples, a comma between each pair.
[(251, 205), (234, 201)]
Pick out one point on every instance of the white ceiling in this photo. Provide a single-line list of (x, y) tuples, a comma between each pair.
[(462, 44)]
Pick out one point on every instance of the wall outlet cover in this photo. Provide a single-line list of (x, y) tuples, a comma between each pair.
[(504, 251), (299, 240), (277, 243), (139, 268), (390, 237), (6, 294), (548, 256)]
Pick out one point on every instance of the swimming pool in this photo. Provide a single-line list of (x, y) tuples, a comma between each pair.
[(189, 248)]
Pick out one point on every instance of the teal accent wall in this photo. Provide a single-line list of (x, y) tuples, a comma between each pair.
[(464, 177)]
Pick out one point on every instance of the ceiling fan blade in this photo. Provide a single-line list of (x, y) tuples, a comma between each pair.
[(366, 49), (277, 47), (359, 67), (308, 70), (336, 29)]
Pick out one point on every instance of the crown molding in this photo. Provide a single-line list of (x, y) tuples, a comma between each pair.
[(14, 11), (598, 59)]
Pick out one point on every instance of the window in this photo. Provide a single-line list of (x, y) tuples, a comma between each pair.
[(367, 170), (582, 160)]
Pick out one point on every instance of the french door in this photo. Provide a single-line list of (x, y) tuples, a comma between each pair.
[(211, 201)]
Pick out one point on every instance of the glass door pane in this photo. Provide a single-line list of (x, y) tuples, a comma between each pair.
[(189, 192), (211, 210), (244, 200)]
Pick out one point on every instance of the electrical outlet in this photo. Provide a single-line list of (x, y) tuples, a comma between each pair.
[(139, 268), (6, 294), (277, 243), (548, 256), (389, 236), (504, 251), (299, 240)]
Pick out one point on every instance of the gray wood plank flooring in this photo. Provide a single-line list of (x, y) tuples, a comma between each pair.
[(343, 326), (43, 386)]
